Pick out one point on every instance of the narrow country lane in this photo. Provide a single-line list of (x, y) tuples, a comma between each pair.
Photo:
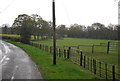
[(16, 64)]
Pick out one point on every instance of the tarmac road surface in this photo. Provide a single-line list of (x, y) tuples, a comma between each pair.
[(16, 64)]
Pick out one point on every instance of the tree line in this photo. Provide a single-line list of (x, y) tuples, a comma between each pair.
[(25, 26)]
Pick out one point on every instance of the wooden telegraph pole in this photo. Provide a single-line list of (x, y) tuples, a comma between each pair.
[(54, 34)]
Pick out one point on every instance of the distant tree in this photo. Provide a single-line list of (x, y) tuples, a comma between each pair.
[(75, 30), (62, 30), (5, 28), (36, 26), (50, 29), (25, 24), (44, 28), (99, 30), (90, 32), (117, 32)]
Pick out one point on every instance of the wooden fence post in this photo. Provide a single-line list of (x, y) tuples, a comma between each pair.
[(113, 72), (81, 57), (108, 47), (100, 68), (40, 46), (47, 48), (106, 70), (64, 53), (91, 64), (88, 63), (94, 66), (84, 61), (68, 54), (59, 52)]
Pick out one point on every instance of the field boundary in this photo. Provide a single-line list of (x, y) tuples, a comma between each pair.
[(113, 46), (92, 48), (102, 69)]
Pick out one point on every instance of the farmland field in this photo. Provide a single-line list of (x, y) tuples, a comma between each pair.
[(73, 42), (99, 52)]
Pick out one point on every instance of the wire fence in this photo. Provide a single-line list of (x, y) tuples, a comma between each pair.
[(104, 70), (91, 48), (113, 46), (75, 55)]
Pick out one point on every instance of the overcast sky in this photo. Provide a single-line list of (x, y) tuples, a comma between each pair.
[(84, 12)]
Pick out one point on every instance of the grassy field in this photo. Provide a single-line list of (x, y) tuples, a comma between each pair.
[(99, 52), (63, 70), (10, 35), (73, 42)]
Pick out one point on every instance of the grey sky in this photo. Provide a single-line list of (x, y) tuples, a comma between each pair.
[(84, 12)]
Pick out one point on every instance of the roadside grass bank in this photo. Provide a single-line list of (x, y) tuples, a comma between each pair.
[(63, 70)]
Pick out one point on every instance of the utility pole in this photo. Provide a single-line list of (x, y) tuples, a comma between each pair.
[(119, 12), (54, 34)]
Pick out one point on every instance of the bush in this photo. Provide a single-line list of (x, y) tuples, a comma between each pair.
[(16, 39)]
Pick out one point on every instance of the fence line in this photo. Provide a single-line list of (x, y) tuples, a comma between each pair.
[(91, 48), (113, 46), (104, 70)]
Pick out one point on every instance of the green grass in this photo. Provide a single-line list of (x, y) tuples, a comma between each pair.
[(63, 70), (99, 52), (73, 42), (107, 58), (10, 35), (14, 35)]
